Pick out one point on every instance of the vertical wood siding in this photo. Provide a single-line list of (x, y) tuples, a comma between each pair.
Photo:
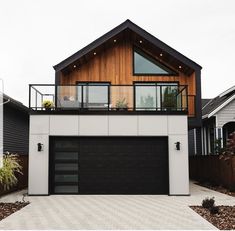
[(115, 65)]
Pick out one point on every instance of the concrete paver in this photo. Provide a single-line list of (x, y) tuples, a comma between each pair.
[(112, 211)]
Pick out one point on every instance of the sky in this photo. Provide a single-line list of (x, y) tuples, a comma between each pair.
[(37, 34)]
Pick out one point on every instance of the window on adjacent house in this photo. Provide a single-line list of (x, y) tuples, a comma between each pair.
[(146, 65)]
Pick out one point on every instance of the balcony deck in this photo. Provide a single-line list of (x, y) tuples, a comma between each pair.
[(103, 98)]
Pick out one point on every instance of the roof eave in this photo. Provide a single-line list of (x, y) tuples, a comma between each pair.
[(221, 106), (135, 28)]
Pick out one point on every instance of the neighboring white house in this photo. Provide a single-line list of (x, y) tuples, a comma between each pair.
[(218, 116)]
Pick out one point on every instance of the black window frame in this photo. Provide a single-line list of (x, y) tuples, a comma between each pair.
[(154, 83), (86, 83), (153, 60)]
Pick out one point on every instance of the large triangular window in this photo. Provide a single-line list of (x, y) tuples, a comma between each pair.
[(146, 65)]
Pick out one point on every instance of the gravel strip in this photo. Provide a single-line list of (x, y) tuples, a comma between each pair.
[(224, 220), (6, 209)]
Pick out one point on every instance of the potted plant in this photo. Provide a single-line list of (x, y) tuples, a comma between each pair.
[(47, 104), (121, 105)]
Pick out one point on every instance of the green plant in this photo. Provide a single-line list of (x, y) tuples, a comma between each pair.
[(229, 150), (230, 146), (214, 210), (121, 103), (208, 203), (218, 147), (169, 98), (47, 104), (11, 166)]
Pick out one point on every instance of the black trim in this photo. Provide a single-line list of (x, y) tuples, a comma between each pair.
[(138, 30), (196, 122), (31, 195), (105, 112), (152, 59)]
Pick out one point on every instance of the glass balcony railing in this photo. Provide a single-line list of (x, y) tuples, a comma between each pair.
[(106, 97)]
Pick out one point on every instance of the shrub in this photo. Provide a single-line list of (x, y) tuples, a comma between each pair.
[(10, 167), (230, 146), (214, 210), (208, 203)]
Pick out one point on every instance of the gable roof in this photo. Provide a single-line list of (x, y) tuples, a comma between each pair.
[(136, 29), (205, 102), (8, 101), (219, 102)]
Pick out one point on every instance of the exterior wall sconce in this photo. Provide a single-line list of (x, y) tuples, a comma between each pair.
[(177, 145), (40, 147)]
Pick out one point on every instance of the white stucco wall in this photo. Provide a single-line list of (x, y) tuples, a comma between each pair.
[(43, 126)]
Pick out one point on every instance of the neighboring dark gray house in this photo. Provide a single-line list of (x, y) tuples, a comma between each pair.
[(15, 126), (218, 121)]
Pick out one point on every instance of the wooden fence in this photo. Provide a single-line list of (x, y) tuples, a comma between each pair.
[(214, 170), (22, 179)]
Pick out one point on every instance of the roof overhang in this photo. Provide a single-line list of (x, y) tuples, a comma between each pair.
[(220, 107), (127, 25), (227, 91)]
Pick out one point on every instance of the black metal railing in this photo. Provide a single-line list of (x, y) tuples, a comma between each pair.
[(106, 97)]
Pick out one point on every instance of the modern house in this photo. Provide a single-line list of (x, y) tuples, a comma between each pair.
[(218, 121), (122, 108)]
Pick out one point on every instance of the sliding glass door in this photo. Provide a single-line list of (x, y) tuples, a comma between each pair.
[(93, 95), (155, 96)]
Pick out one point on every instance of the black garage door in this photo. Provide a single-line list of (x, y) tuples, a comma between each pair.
[(109, 165)]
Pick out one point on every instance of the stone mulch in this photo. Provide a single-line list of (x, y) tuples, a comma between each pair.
[(6, 209), (224, 220), (220, 189)]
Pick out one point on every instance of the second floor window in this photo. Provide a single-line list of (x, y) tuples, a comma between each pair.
[(146, 65), (156, 96), (93, 95)]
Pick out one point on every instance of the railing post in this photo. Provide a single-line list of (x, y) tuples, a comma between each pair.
[(56, 97), (160, 97), (108, 96), (187, 99), (29, 96)]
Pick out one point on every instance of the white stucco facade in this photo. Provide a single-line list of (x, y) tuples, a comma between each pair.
[(175, 127)]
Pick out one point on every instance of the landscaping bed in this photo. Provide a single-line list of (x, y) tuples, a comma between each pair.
[(6, 209), (217, 188), (224, 219)]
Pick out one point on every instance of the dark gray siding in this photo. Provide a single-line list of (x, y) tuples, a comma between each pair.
[(199, 141), (191, 145), (15, 130), (191, 142)]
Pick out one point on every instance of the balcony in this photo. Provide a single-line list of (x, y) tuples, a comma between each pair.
[(103, 97)]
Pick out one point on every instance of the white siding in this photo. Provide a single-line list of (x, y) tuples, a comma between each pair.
[(226, 114)]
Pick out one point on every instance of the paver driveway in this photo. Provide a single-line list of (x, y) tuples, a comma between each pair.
[(112, 211)]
